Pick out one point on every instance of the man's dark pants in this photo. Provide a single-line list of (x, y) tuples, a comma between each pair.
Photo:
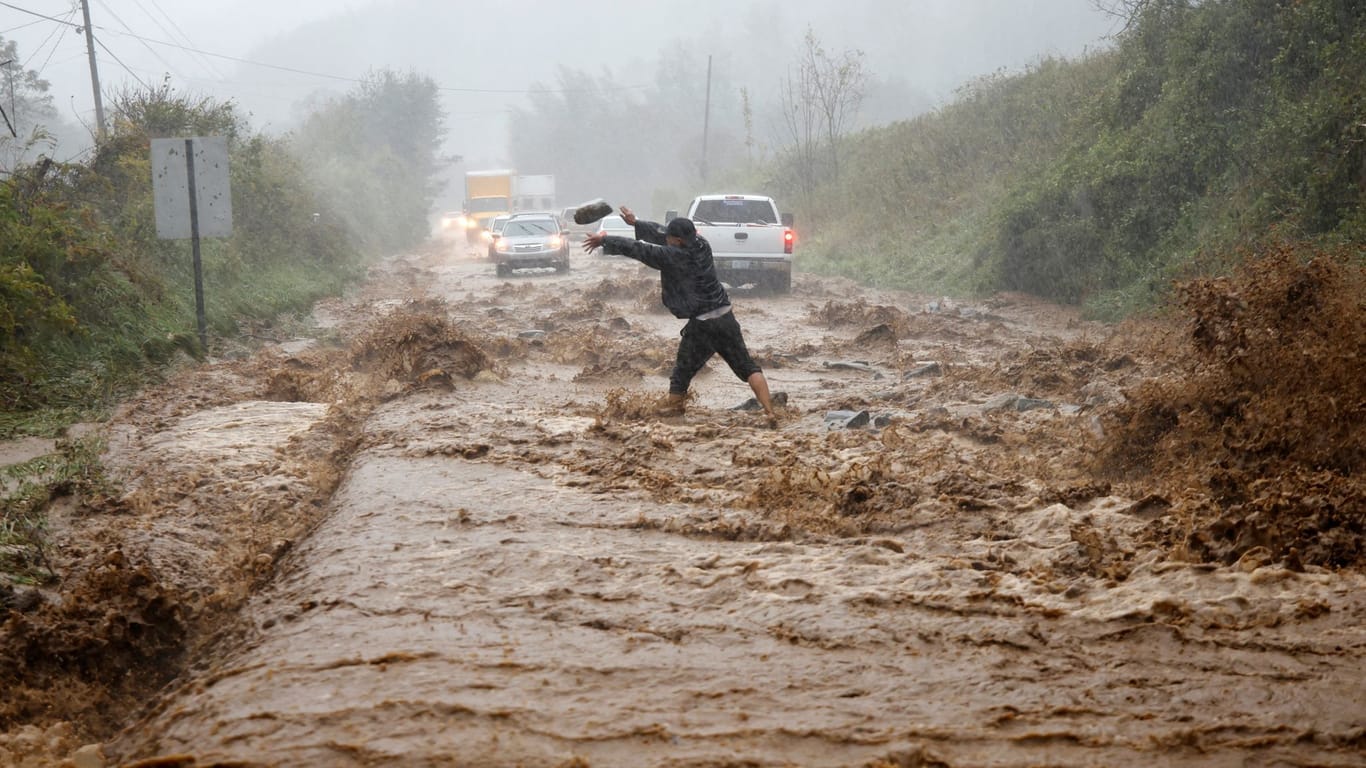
[(704, 338)]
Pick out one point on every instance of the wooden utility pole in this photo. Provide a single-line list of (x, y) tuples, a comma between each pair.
[(706, 122), (94, 71)]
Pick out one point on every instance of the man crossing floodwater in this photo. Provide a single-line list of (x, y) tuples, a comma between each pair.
[(691, 291)]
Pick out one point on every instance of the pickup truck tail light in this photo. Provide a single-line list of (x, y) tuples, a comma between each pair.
[(789, 240)]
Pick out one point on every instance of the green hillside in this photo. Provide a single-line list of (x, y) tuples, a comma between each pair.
[(1206, 127), (92, 303)]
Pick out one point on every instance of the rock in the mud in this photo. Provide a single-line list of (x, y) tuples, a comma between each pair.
[(1014, 402), (295, 347), (923, 369), (532, 335), (882, 421), (879, 335), (845, 365), (752, 404), (1000, 403), (846, 419), (19, 599), (1100, 393)]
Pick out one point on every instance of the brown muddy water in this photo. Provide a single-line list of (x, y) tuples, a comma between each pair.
[(465, 540)]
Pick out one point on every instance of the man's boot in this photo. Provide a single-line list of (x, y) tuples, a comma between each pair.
[(671, 405)]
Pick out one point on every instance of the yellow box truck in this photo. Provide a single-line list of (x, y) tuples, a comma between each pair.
[(487, 194)]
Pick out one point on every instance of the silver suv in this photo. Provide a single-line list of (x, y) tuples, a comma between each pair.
[(530, 242)]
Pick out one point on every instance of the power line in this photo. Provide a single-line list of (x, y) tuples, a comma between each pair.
[(21, 26), (149, 48), (39, 48), (184, 38), (52, 52), (101, 44), (346, 79), (324, 75), (35, 13)]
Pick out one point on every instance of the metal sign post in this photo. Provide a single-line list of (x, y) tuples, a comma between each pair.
[(193, 200), (199, 317)]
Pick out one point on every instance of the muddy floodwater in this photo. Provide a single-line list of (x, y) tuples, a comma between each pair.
[(518, 563)]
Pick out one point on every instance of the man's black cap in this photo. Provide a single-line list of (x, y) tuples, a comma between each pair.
[(682, 229)]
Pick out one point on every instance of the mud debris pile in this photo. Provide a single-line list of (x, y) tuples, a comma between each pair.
[(89, 658), (1259, 442), (861, 314), (418, 345)]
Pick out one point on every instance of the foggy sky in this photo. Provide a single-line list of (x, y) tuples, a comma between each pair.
[(469, 49)]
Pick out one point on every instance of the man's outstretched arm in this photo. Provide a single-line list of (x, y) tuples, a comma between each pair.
[(649, 254), (648, 231)]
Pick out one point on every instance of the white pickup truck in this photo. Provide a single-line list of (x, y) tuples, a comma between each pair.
[(751, 242)]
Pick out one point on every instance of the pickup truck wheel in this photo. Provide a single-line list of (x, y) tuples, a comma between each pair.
[(562, 267), (503, 270), (780, 282)]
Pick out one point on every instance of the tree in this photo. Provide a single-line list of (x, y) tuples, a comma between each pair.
[(1126, 11), (376, 151), (818, 103), (25, 109)]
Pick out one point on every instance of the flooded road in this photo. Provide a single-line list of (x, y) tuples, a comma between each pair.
[(522, 565)]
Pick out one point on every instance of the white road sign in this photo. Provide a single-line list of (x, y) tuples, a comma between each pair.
[(170, 187)]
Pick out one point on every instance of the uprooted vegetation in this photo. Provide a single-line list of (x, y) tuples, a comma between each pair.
[(1258, 445)]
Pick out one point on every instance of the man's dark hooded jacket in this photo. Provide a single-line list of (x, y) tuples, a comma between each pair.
[(687, 276)]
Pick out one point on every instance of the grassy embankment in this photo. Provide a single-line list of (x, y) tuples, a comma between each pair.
[(93, 305), (1206, 130)]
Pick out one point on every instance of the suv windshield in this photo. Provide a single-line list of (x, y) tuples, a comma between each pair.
[(531, 227), (735, 212)]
